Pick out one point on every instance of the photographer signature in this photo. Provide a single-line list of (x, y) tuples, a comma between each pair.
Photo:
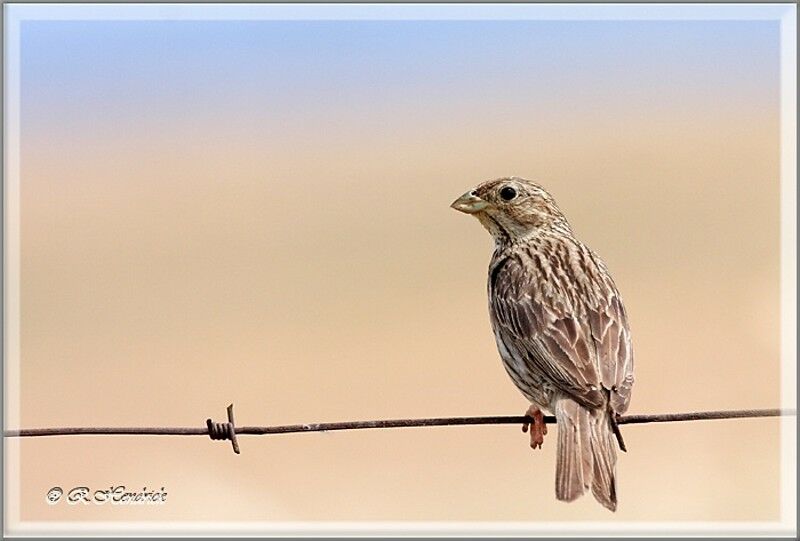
[(114, 495)]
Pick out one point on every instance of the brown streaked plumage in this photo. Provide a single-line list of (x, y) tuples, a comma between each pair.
[(561, 330)]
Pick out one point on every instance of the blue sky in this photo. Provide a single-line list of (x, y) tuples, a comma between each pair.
[(77, 70)]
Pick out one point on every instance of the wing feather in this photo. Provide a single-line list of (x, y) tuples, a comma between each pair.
[(580, 350)]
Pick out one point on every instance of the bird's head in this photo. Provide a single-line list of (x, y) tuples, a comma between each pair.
[(512, 208)]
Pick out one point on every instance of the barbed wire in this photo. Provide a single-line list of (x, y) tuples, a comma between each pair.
[(229, 431)]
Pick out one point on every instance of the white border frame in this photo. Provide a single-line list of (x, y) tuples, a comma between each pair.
[(785, 13)]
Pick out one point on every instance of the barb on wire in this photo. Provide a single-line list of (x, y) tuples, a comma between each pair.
[(224, 431), (228, 431)]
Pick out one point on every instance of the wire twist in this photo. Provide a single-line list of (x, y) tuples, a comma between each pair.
[(224, 431)]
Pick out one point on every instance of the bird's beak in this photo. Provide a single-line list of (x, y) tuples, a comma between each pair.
[(469, 203)]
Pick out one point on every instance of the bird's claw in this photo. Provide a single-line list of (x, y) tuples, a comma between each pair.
[(538, 428)]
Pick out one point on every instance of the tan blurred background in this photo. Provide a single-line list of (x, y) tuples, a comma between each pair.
[(302, 262)]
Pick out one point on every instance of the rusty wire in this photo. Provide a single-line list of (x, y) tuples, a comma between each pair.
[(228, 430)]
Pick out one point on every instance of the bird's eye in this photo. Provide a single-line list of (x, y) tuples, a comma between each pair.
[(508, 193)]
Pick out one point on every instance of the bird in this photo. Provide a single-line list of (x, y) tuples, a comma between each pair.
[(561, 330)]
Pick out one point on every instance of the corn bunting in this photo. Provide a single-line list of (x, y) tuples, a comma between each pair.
[(561, 330)]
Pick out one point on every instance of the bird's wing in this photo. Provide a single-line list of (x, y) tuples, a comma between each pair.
[(579, 351), (612, 339)]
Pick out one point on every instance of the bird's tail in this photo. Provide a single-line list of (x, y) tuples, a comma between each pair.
[(586, 456)]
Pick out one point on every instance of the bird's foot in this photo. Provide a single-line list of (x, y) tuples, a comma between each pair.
[(538, 428)]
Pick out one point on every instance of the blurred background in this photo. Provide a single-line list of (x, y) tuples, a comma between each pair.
[(257, 212)]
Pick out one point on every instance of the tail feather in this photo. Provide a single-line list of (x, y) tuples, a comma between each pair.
[(573, 465), (586, 454), (604, 484)]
